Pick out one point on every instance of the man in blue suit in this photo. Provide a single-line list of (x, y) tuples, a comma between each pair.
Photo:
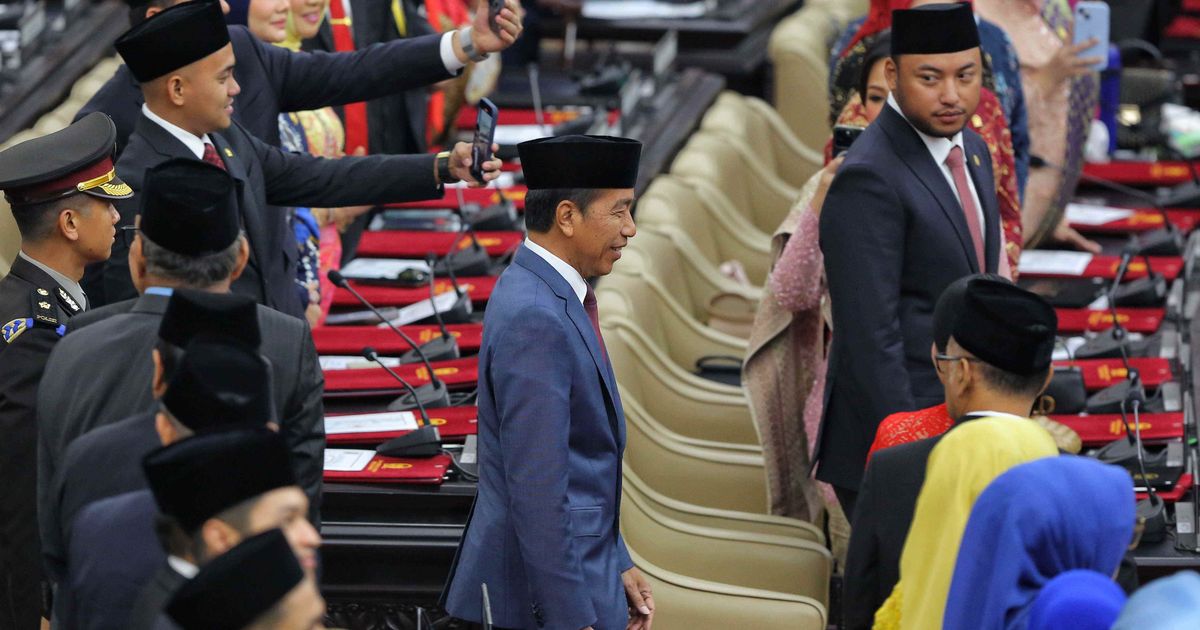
[(544, 533), (912, 209)]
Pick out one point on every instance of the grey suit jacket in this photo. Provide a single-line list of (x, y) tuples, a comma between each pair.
[(148, 612), (102, 374)]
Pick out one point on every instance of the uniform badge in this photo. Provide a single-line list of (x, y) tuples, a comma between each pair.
[(228, 152), (43, 292), (43, 310), (66, 297), (13, 329), (45, 305)]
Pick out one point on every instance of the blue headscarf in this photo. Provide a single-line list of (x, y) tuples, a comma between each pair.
[(1170, 603), (239, 12), (1078, 599), (1033, 523)]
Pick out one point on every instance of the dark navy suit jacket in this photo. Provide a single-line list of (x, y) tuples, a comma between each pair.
[(894, 237), (544, 533)]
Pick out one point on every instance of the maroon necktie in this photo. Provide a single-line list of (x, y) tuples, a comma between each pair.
[(967, 201), (593, 313), (211, 156)]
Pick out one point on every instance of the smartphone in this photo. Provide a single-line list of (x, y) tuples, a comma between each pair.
[(1092, 20), (485, 134), (494, 7), (843, 137)]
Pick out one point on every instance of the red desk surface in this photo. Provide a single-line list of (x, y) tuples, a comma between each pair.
[(1100, 373), (483, 196), (396, 470), (468, 114), (1136, 173), (456, 373), (1102, 429), (451, 423), (1106, 267), (1145, 220), (1176, 493), (417, 244), (1080, 320), (352, 339), (478, 287)]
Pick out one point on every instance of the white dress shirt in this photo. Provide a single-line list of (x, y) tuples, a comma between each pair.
[(992, 414), (183, 567), (569, 273), (939, 149), (194, 143), (72, 288)]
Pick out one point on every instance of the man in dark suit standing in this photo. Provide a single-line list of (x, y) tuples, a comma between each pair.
[(185, 62), (188, 242), (992, 350), (61, 188), (912, 209), (543, 534)]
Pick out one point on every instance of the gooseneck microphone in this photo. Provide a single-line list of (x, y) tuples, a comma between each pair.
[(433, 394), (1115, 341), (423, 442), (467, 261), (1166, 241)]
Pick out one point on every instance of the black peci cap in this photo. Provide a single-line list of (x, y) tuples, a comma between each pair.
[(199, 477), (220, 384), (238, 586), (178, 36), (589, 162), (189, 207), (934, 29), (1006, 326), (76, 159), (192, 313)]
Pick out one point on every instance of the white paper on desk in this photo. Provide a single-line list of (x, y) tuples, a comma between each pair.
[(1060, 353), (347, 459), (352, 362), (643, 9), (1088, 214), (382, 268), (371, 422), (420, 310), (516, 134), (1057, 263)]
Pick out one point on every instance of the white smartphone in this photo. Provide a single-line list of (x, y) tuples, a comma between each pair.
[(1092, 20)]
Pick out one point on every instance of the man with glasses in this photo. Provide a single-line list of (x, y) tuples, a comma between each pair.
[(992, 348)]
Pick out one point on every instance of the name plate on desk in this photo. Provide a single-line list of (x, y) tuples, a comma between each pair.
[(371, 423), (347, 459), (1054, 263), (1092, 215)]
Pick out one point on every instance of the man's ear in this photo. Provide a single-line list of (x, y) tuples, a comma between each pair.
[(69, 223), (891, 72), (137, 264), (166, 432), (158, 384), (565, 217), (218, 537), (243, 258), (175, 85)]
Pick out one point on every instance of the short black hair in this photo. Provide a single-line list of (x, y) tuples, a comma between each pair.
[(1011, 383), (36, 221), (137, 12), (540, 205), (880, 48)]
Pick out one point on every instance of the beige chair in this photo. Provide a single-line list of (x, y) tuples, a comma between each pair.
[(717, 478), (729, 520), (772, 563), (744, 186), (652, 355), (687, 603), (692, 280), (799, 51), (756, 126), (694, 211)]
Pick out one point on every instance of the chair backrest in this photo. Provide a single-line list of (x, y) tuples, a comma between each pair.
[(757, 127), (758, 195), (691, 285), (798, 49)]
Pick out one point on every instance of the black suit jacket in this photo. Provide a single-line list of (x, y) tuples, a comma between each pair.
[(110, 561), (121, 336), (148, 612), (893, 236), (275, 80), (268, 179)]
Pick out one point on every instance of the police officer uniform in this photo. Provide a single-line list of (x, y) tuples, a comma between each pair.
[(36, 304)]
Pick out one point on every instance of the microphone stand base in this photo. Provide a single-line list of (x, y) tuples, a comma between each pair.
[(439, 349), (424, 442), (429, 395)]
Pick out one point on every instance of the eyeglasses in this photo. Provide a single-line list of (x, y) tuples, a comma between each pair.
[(950, 357), (126, 233)]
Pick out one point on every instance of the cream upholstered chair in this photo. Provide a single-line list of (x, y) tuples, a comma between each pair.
[(648, 350), (744, 186), (729, 520), (757, 127), (799, 51), (694, 212), (688, 603), (773, 563)]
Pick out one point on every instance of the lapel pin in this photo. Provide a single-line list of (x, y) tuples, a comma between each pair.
[(976, 158), (228, 153)]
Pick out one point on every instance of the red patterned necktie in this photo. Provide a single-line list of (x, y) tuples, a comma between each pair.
[(212, 157), (593, 313), (967, 201)]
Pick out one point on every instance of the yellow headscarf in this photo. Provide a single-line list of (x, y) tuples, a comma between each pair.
[(292, 42), (963, 463)]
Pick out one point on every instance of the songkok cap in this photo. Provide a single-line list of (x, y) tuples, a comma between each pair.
[(589, 162), (77, 159), (192, 313), (178, 36), (220, 384), (934, 29), (238, 586), (950, 305), (199, 477), (188, 207), (1006, 326)]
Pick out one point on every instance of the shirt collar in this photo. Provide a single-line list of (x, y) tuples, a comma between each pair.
[(569, 273), (194, 143), (993, 414), (69, 285), (183, 567), (939, 148)]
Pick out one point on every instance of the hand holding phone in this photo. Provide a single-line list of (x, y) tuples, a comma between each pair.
[(843, 137), (494, 7), (1092, 22), (485, 134)]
